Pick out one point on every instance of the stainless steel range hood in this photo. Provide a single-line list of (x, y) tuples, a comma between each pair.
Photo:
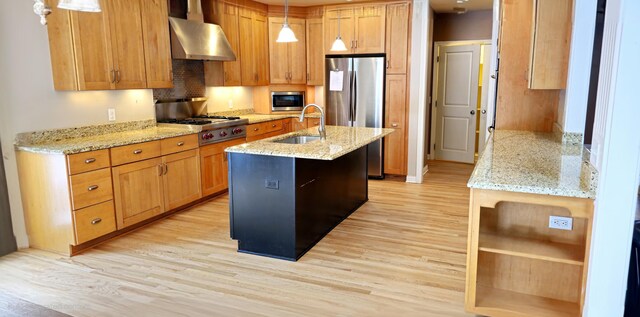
[(196, 40)]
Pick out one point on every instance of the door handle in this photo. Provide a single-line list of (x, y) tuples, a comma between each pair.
[(473, 112)]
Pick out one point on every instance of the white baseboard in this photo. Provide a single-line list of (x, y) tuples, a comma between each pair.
[(412, 179), (425, 169)]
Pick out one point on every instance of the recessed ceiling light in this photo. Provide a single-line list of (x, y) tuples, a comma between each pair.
[(460, 1)]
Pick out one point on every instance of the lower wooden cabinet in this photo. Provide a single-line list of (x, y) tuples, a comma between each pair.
[(181, 179), (94, 222), (214, 168), (395, 156), (138, 191)]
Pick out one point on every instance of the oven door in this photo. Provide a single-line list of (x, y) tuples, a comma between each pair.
[(287, 101)]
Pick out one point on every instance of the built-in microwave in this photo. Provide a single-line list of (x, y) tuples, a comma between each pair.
[(287, 100)]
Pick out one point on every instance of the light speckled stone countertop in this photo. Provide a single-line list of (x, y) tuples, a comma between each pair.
[(531, 162), (101, 141), (340, 141), (259, 118)]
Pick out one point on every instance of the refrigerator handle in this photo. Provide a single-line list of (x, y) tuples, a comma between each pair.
[(354, 92), (351, 114)]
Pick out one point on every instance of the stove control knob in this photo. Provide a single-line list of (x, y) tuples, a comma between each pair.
[(223, 133), (237, 131)]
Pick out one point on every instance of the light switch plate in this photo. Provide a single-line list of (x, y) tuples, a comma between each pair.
[(112, 114), (562, 223)]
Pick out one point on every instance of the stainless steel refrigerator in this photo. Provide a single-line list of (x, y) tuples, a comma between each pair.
[(354, 97)]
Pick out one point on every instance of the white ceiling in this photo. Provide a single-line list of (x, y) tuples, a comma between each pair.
[(437, 5), (471, 5)]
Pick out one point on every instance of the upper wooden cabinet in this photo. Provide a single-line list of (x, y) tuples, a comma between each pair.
[(227, 16), (551, 40), (126, 46), (315, 49), (287, 60), (362, 28), (254, 47), (397, 38)]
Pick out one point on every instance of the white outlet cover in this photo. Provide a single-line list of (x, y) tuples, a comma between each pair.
[(562, 223), (112, 114)]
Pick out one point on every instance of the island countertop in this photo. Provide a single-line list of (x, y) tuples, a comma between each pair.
[(532, 162), (340, 141)]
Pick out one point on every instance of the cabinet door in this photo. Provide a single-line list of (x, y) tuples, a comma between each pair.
[(214, 167), (157, 50), (278, 53), (331, 29), (138, 191), (370, 29), (261, 47), (397, 41), (247, 53), (126, 43), (181, 179), (315, 49), (229, 24), (395, 158), (297, 53), (92, 41)]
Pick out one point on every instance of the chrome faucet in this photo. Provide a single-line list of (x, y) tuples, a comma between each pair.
[(321, 128)]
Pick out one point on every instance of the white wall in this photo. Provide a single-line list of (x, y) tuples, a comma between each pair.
[(572, 110), (28, 101), (420, 57), (220, 97)]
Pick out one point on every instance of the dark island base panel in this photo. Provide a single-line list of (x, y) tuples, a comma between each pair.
[(281, 207)]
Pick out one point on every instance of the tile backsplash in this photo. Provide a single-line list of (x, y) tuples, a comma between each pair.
[(188, 81)]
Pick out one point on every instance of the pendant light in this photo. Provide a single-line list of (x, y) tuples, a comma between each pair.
[(286, 33), (80, 5), (338, 45)]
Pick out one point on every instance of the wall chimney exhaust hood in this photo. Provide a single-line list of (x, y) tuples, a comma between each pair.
[(197, 40)]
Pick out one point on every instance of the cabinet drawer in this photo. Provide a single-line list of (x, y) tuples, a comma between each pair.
[(313, 122), (256, 129), (135, 152), (94, 222), (273, 126), (91, 188), (179, 144), (88, 161)]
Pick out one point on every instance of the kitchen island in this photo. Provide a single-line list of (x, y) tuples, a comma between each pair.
[(286, 197)]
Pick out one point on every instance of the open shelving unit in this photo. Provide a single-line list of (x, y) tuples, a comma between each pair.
[(517, 266)]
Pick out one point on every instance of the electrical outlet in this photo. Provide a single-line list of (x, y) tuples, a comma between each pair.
[(112, 114), (230, 103), (272, 184), (562, 223)]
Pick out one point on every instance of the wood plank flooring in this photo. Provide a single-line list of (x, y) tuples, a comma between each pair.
[(402, 254)]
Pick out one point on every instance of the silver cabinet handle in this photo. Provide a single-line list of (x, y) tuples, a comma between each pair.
[(483, 111), (96, 221), (256, 129), (113, 76), (273, 125), (387, 64), (166, 169), (92, 188), (180, 143), (160, 170), (118, 77), (137, 151), (395, 125), (89, 160), (473, 112)]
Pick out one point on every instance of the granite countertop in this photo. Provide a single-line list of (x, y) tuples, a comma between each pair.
[(340, 141), (259, 118), (101, 141), (532, 162)]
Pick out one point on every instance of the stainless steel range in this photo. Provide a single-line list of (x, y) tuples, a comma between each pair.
[(192, 114)]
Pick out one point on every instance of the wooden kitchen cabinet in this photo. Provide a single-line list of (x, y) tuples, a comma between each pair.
[(214, 167), (397, 37), (139, 191), (122, 47), (362, 28), (551, 41), (287, 60), (227, 16), (395, 155), (181, 179), (315, 48), (254, 47)]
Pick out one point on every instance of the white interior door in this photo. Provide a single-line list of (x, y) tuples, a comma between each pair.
[(484, 102), (457, 101)]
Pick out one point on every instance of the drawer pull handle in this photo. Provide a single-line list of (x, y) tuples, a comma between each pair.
[(256, 129), (92, 188), (180, 143), (395, 125), (96, 221), (137, 151), (273, 125), (89, 160)]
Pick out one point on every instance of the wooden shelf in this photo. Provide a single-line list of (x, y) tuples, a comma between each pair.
[(533, 249), (492, 301)]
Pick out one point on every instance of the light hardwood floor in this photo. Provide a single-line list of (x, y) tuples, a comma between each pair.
[(402, 254)]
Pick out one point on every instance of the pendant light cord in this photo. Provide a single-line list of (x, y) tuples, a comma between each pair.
[(286, 12), (338, 24)]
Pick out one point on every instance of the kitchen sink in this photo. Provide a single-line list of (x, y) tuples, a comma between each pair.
[(299, 139)]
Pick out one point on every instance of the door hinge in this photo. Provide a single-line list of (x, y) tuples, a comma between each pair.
[(434, 146), (438, 59)]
